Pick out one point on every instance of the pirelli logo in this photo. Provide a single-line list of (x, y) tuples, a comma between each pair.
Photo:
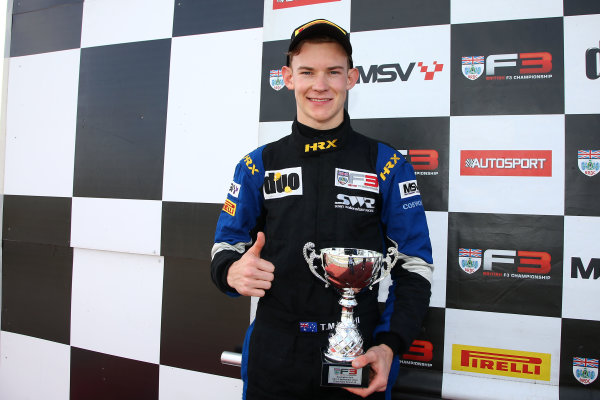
[(229, 207), (512, 363)]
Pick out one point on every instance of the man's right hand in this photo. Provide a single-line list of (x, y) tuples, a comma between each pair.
[(251, 275)]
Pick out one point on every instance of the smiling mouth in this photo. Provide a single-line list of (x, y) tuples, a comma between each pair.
[(319, 100)]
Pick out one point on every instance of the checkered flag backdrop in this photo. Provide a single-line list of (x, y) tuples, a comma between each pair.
[(124, 119)]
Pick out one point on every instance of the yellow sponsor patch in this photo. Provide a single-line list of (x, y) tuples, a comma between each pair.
[(512, 363), (229, 207)]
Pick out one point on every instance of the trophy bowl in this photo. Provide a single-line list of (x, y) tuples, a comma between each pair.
[(350, 268)]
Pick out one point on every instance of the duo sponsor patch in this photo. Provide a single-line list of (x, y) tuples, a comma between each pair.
[(283, 183)]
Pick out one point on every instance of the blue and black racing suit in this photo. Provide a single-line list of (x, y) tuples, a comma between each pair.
[(335, 188)]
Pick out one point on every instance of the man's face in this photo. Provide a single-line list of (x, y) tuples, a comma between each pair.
[(320, 78)]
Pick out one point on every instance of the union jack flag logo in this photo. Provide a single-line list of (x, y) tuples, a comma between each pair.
[(469, 259), (469, 252), (588, 162), (472, 60), (585, 370), (472, 67)]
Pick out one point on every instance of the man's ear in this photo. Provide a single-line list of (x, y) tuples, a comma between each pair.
[(287, 77), (352, 78)]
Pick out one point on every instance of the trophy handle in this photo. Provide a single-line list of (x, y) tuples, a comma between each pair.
[(390, 260), (309, 255)]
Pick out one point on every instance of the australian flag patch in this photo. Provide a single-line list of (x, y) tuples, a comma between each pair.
[(309, 327)]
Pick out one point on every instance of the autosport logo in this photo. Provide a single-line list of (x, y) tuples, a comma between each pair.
[(506, 163), (513, 264), (391, 72), (278, 4), (513, 66), (425, 161), (502, 362)]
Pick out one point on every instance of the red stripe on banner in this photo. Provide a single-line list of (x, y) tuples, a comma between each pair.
[(278, 4), (506, 163)]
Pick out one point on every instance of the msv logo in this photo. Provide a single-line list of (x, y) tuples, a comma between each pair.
[(513, 66), (391, 72)]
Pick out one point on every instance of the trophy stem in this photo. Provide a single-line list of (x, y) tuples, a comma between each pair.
[(345, 342)]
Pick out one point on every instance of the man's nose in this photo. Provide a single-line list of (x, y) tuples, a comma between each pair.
[(320, 82)]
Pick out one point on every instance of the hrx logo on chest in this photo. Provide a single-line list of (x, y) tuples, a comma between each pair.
[(317, 146)]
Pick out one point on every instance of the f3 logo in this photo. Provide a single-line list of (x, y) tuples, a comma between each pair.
[(530, 262)]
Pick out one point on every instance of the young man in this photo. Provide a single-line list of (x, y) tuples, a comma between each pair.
[(295, 191)]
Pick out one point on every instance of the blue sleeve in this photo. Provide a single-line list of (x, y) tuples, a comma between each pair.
[(241, 210), (404, 222)]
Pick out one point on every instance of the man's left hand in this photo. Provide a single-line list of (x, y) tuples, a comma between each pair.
[(380, 357)]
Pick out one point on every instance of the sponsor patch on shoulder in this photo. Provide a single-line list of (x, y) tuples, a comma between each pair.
[(229, 207), (408, 189), (234, 189)]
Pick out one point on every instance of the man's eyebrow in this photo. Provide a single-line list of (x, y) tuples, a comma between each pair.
[(312, 69)]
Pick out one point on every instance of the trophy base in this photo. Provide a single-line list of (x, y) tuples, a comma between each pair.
[(343, 374)]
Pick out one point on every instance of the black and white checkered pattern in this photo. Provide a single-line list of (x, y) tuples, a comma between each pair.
[(125, 119)]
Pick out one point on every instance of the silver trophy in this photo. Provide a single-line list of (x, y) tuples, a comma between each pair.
[(349, 271)]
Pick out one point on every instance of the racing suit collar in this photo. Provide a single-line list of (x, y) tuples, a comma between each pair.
[(312, 143)]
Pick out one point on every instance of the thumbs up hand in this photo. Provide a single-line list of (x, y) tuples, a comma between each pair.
[(251, 275)]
